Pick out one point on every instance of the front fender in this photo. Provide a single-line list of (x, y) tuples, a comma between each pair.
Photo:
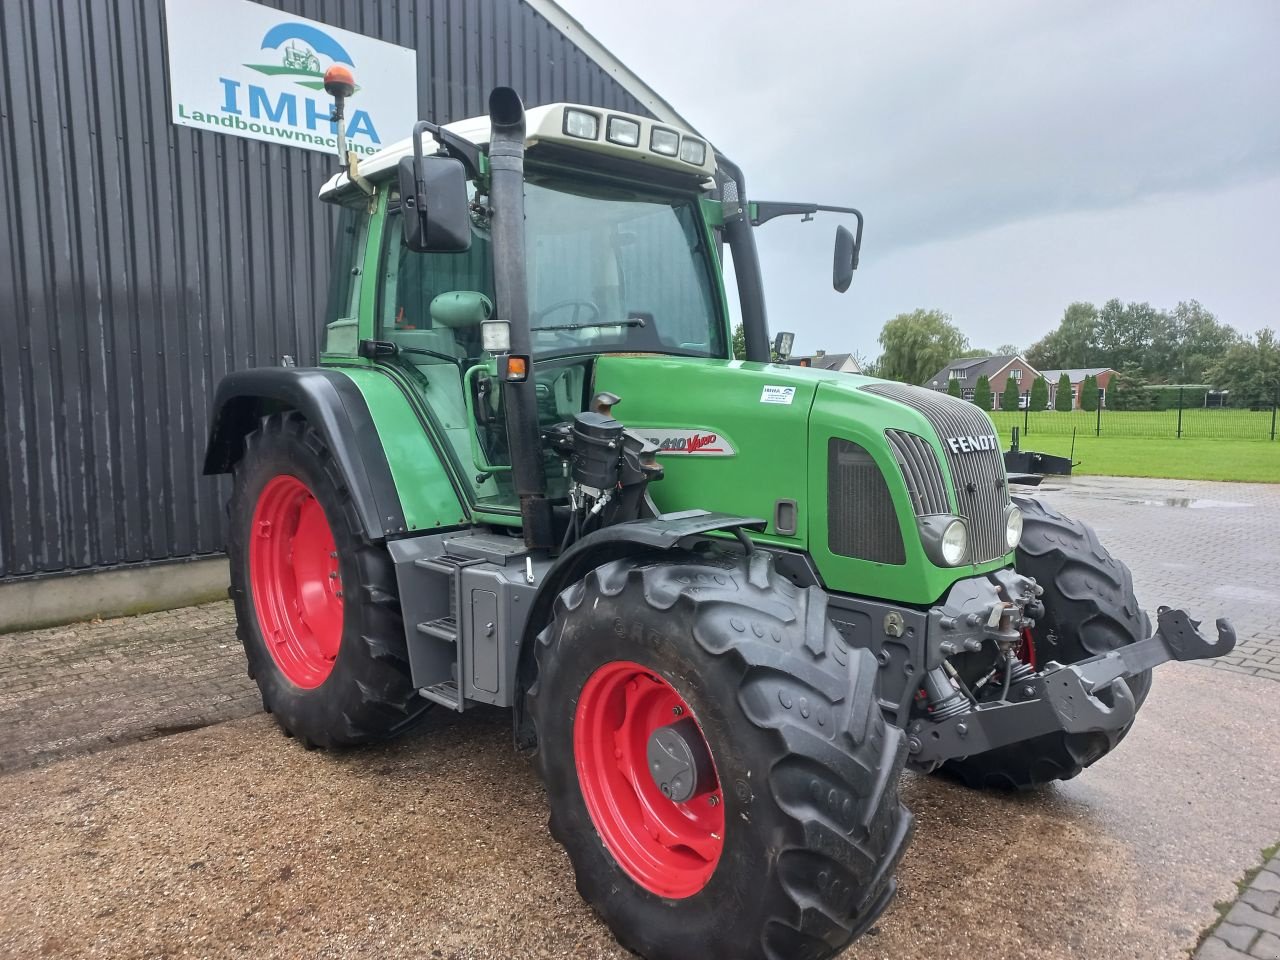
[(672, 531), (333, 404)]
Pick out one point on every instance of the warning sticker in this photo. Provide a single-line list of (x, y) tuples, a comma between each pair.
[(772, 394)]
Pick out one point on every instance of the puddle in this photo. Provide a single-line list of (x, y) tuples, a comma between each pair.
[(1191, 503)]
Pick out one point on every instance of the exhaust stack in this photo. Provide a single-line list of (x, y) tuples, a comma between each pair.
[(506, 197)]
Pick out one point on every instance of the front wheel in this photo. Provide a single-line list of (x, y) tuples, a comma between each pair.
[(717, 765), (1090, 608)]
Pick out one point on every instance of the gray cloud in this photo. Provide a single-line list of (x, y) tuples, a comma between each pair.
[(952, 121)]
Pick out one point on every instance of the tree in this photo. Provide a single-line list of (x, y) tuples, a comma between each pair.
[(1008, 350), (953, 387), (1191, 341), (1089, 393), (1250, 370), (1039, 394), (1070, 344), (739, 343), (1125, 392), (1062, 400), (1009, 398), (917, 345), (982, 393)]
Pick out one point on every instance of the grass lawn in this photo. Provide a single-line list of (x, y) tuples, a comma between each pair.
[(1255, 461)]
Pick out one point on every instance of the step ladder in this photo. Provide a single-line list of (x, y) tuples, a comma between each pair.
[(445, 630)]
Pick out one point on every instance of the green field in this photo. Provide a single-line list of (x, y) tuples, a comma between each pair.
[(1254, 461), (1195, 423)]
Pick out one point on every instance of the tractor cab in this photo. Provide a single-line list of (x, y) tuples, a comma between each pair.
[(620, 250)]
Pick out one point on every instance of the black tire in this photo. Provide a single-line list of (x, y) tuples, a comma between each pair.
[(367, 697), (808, 767), (1090, 608)]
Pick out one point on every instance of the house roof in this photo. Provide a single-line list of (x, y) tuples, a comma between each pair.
[(1075, 374), (973, 367), (828, 361)]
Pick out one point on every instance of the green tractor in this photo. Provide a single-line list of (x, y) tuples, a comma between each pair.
[(727, 602)]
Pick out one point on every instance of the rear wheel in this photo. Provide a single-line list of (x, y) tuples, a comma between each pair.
[(316, 605), (716, 761), (1090, 608)]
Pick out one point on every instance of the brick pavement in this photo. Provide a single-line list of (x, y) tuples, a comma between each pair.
[(85, 686), (1211, 547), (1250, 930), (77, 688)]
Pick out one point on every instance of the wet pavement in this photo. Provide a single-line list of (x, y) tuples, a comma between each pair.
[(232, 841)]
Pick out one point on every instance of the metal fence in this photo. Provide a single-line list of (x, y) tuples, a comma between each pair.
[(1196, 422)]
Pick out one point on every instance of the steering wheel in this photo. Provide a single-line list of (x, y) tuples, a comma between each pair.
[(578, 305)]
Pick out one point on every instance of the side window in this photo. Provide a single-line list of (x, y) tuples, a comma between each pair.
[(342, 324), (410, 281)]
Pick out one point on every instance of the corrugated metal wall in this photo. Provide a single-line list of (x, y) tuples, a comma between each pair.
[(142, 261)]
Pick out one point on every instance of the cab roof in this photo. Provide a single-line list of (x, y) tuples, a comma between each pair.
[(549, 124)]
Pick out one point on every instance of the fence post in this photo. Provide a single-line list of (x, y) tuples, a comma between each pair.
[(1180, 389), (1026, 420), (1097, 432), (1274, 403)]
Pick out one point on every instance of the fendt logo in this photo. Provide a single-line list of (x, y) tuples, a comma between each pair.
[(244, 69), (971, 444)]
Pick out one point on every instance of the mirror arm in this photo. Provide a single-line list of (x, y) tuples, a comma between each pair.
[(454, 145), (764, 211)]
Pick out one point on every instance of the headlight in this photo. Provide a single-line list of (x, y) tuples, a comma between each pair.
[(1012, 526), (693, 151), (955, 543), (623, 131), (665, 142), (581, 124)]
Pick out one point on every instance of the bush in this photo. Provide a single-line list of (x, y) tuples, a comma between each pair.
[(1009, 398), (1089, 393), (1039, 394), (1062, 401), (953, 387), (982, 394)]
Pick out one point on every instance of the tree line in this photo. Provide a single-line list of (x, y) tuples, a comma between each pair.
[(1148, 347)]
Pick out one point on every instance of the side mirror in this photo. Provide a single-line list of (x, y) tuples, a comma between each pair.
[(433, 205), (845, 261)]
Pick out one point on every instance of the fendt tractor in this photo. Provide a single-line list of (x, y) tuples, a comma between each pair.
[(727, 601)]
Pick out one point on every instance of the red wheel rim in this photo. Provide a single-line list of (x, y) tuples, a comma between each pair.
[(296, 582), (671, 849)]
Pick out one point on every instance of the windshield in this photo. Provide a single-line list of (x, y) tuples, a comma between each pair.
[(610, 269)]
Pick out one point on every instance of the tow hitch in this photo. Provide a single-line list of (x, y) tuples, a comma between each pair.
[(1080, 697)]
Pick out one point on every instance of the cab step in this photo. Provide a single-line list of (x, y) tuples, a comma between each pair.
[(443, 628), (445, 694)]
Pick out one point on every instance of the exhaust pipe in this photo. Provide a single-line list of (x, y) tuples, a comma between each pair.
[(506, 197)]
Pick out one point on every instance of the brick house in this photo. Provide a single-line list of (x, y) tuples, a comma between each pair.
[(998, 370), (1076, 376)]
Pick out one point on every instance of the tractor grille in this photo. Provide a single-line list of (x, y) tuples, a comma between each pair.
[(977, 475), (861, 520), (921, 472)]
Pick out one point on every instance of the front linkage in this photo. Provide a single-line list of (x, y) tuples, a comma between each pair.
[(1088, 696)]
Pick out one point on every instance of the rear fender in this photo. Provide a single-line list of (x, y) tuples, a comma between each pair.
[(335, 407)]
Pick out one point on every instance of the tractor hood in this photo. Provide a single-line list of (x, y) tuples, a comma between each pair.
[(818, 454)]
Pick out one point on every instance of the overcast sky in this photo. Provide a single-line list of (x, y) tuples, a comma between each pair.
[(1009, 157)]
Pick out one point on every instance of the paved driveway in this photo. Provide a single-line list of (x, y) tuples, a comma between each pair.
[(232, 841)]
